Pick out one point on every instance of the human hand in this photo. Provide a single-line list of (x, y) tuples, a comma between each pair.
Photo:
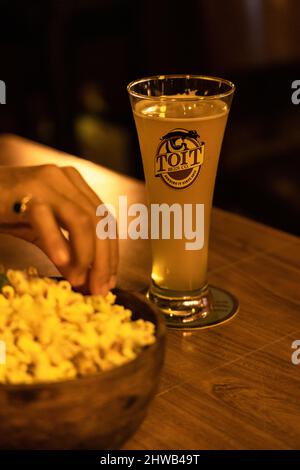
[(60, 199)]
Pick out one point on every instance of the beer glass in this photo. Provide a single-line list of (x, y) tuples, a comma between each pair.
[(180, 121)]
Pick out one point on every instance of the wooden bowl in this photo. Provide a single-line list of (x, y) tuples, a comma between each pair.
[(98, 411)]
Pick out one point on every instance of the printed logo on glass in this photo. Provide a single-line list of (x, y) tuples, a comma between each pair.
[(179, 157)]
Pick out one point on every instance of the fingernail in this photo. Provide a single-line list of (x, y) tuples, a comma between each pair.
[(104, 289), (78, 280), (112, 282), (61, 257)]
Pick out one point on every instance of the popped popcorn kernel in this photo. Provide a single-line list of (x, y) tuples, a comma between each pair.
[(52, 333)]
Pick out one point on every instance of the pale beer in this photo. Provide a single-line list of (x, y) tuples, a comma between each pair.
[(153, 121), (180, 122)]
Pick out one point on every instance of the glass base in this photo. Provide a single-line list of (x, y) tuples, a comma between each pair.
[(206, 308)]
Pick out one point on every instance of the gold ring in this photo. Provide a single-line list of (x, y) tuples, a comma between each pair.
[(20, 207)]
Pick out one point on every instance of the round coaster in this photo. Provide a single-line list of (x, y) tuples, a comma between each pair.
[(225, 307)]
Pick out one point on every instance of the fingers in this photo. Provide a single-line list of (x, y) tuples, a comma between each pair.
[(62, 199), (114, 260), (51, 239), (64, 209), (103, 273), (80, 183), (80, 227)]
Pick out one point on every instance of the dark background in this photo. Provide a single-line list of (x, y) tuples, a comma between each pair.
[(66, 65)]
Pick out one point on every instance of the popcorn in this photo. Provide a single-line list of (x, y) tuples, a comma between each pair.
[(53, 333)]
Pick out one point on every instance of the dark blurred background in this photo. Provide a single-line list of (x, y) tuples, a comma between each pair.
[(66, 64)]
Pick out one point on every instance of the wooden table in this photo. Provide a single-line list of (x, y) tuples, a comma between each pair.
[(229, 387)]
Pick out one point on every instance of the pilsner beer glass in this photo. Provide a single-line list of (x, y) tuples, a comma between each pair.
[(180, 121)]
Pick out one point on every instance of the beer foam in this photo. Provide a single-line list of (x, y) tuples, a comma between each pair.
[(182, 108)]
